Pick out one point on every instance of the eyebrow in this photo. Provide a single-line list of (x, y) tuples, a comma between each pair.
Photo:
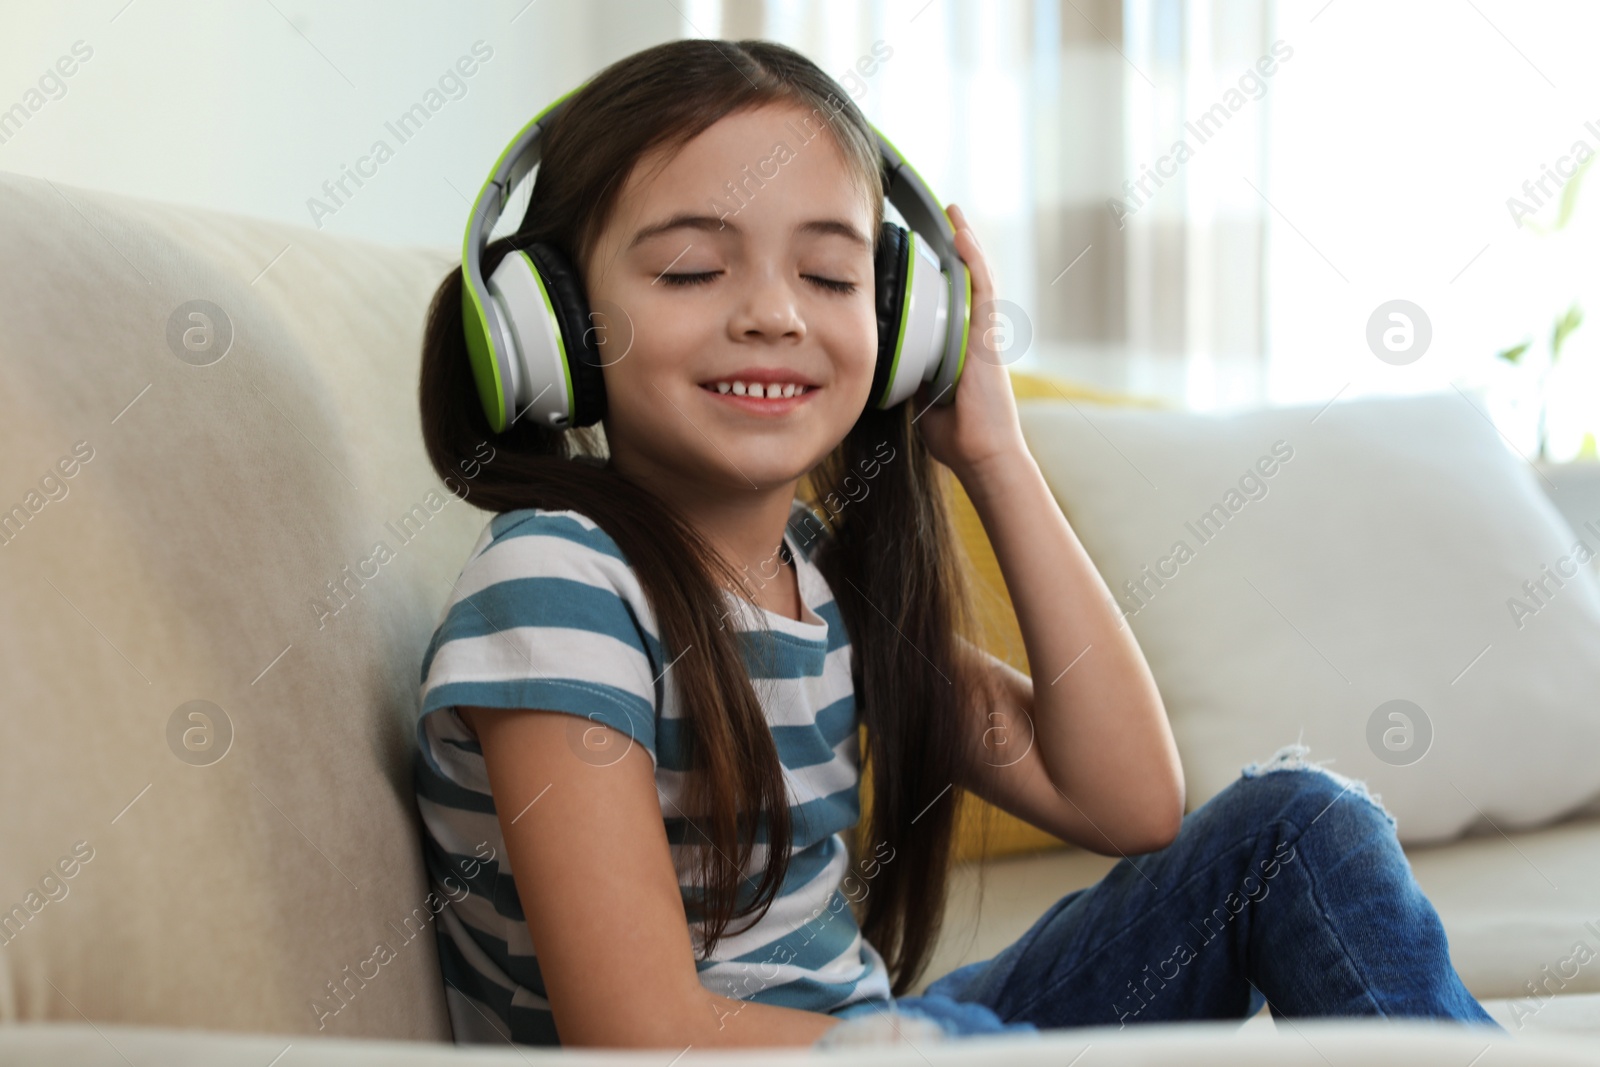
[(712, 223)]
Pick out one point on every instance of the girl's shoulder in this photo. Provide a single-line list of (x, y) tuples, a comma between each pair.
[(564, 525), (549, 543)]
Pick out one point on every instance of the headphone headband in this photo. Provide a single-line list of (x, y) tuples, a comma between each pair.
[(488, 330)]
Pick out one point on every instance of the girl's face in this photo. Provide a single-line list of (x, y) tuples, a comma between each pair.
[(705, 289)]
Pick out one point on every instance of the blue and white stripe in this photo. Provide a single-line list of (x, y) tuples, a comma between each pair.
[(548, 614)]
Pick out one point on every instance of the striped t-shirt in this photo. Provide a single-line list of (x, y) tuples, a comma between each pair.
[(548, 614)]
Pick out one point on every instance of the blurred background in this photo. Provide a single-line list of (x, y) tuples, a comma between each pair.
[(1216, 202)]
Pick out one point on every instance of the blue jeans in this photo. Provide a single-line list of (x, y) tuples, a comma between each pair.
[(1287, 888)]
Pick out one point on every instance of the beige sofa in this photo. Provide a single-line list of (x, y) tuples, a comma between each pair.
[(212, 673)]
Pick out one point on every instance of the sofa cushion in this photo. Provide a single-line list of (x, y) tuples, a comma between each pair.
[(1522, 911), (230, 477), (1360, 577)]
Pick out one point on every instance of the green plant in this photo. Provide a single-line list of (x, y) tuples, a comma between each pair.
[(1564, 325)]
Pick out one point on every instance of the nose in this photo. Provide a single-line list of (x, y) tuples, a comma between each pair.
[(767, 309)]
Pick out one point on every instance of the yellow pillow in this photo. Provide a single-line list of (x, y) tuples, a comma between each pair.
[(1001, 637)]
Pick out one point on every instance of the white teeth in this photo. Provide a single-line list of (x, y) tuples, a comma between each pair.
[(756, 389)]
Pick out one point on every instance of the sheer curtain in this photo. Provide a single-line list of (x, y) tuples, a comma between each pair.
[(1198, 80)]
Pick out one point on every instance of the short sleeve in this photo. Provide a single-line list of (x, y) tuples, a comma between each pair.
[(547, 614)]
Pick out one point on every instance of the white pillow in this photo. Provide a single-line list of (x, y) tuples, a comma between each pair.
[(1377, 561)]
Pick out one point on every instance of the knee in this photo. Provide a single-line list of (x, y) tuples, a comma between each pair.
[(1290, 787)]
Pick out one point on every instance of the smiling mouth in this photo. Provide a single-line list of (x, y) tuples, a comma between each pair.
[(770, 390), (762, 405)]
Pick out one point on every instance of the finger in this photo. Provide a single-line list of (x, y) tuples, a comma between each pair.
[(960, 224), (971, 251), (977, 265)]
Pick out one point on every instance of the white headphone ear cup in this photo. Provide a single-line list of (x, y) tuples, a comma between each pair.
[(539, 386), (927, 312), (502, 347)]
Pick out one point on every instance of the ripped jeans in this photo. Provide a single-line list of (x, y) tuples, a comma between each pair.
[(1287, 888)]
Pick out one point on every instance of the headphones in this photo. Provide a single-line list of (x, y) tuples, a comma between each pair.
[(529, 328)]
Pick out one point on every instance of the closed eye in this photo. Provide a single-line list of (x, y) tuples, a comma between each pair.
[(704, 278), (689, 279)]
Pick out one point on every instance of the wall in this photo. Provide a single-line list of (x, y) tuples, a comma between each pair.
[(249, 106)]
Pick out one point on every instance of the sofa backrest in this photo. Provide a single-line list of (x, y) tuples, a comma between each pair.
[(190, 566)]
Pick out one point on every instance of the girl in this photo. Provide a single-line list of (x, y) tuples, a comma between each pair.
[(639, 760)]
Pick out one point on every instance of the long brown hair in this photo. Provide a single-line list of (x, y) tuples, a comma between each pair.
[(888, 546)]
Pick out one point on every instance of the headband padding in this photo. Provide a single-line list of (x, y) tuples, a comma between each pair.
[(572, 315)]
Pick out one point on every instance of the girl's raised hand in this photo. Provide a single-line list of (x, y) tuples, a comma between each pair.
[(981, 427)]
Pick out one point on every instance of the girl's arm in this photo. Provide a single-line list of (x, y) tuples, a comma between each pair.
[(589, 853), (1101, 729), (1097, 718)]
